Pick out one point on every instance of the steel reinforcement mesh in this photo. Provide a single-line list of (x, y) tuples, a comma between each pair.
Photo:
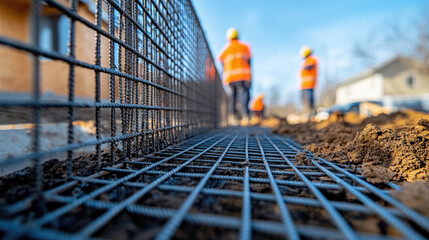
[(140, 70), (236, 183)]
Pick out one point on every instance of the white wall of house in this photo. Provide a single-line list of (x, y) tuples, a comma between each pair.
[(369, 88), (407, 82)]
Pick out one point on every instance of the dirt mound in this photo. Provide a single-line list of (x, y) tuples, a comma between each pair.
[(386, 147), (385, 153), (387, 119)]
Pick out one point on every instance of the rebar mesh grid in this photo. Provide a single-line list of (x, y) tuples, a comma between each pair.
[(227, 184), (153, 77)]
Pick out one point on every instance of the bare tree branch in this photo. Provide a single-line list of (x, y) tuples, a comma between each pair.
[(396, 37)]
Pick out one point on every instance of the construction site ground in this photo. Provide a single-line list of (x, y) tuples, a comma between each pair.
[(237, 182), (388, 148)]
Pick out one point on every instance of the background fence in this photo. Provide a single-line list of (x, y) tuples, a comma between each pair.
[(141, 70)]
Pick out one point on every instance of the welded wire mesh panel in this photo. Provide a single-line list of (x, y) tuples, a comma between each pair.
[(121, 78), (227, 184)]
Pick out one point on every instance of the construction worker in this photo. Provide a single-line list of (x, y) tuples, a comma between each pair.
[(308, 80), (257, 106), (235, 58)]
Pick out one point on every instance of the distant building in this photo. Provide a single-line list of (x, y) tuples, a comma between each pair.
[(398, 83)]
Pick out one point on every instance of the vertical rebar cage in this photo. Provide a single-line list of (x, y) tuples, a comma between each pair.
[(140, 72)]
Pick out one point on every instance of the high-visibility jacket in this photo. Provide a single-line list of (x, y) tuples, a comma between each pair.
[(308, 76), (235, 57), (257, 104)]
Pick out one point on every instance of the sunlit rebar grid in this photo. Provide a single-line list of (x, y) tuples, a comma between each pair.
[(148, 62), (227, 184)]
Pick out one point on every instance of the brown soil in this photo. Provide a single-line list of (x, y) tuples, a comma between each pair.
[(390, 147), (334, 138), (302, 160), (387, 154), (415, 196), (20, 184)]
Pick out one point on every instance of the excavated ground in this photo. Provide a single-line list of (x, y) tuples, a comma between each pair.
[(386, 148), (19, 185), (393, 147)]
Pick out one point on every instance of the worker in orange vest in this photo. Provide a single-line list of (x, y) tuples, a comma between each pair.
[(235, 58), (308, 80), (257, 106)]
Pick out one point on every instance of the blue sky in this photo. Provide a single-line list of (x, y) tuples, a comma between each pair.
[(276, 30)]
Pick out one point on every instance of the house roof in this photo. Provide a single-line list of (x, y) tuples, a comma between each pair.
[(375, 69)]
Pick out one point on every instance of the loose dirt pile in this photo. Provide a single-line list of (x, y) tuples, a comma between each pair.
[(390, 147)]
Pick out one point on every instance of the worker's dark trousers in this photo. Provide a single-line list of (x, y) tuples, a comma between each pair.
[(259, 114), (240, 92), (307, 96)]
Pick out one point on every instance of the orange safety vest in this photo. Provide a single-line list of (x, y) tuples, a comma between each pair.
[(235, 57), (257, 105), (308, 77)]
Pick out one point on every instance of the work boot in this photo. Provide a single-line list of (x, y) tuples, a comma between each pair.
[(245, 122), (232, 121)]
